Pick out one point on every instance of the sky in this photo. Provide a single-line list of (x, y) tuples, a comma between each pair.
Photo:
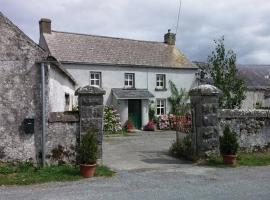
[(245, 24)]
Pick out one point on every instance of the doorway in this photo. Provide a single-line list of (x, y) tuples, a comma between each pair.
[(135, 112)]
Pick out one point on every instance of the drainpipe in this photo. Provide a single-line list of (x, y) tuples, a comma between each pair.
[(44, 128)]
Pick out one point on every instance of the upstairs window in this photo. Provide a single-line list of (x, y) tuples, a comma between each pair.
[(161, 107), (95, 79), (160, 81), (67, 101), (129, 80)]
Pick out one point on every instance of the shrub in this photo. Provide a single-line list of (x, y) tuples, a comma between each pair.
[(228, 142), (181, 149), (150, 126), (163, 122), (88, 148), (112, 124)]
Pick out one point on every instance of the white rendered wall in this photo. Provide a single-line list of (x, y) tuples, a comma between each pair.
[(145, 78), (59, 84), (252, 97)]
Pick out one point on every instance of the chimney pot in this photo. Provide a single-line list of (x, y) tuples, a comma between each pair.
[(169, 38), (45, 26)]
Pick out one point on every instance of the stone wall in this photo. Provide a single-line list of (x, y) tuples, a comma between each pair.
[(63, 133), (251, 126), (20, 96)]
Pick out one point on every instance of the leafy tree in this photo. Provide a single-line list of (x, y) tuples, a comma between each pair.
[(178, 100), (222, 68)]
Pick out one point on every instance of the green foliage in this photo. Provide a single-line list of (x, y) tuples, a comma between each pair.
[(181, 149), (178, 100), (222, 68), (88, 148), (112, 124), (228, 142), (152, 111)]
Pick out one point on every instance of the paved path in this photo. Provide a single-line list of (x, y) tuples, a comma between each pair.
[(142, 150), (145, 172)]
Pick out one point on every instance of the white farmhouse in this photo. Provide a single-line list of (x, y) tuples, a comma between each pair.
[(132, 72)]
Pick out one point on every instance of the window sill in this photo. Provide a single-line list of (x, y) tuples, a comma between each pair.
[(163, 89)]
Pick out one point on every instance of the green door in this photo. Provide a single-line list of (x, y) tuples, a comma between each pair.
[(135, 112)]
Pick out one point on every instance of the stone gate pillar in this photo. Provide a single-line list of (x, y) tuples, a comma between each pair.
[(90, 102), (205, 125)]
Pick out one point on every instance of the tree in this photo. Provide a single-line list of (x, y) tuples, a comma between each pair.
[(178, 100), (222, 68)]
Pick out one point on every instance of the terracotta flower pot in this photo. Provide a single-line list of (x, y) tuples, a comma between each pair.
[(229, 159), (87, 171)]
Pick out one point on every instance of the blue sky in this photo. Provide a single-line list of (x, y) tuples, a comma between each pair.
[(245, 24)]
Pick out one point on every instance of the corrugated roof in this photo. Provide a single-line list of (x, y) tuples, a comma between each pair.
[(91, 49), (121, 93), (257, 77)]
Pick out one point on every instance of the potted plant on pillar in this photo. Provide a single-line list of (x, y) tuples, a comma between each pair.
[(88, 154), (228, 146)]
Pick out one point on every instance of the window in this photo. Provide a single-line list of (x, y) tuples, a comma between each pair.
[(161, 107), (67, 101), (95, 79), (129, 80), (160, 81)]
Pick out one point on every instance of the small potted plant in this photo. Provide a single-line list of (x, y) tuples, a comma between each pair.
[(88, 154), (228, 146), (129, 126)]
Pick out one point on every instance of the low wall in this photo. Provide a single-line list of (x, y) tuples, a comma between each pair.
[(63, 134), (251, 126)]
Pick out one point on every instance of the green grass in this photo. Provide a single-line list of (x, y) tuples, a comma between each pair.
[(26, 173), (243, 159)]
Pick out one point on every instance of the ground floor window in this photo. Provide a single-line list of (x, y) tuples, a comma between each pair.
[(161, 107)]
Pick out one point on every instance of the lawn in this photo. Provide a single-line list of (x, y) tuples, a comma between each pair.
[(26, 173), (243, 159)]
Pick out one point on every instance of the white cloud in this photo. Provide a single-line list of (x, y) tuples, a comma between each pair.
[(245, 24)]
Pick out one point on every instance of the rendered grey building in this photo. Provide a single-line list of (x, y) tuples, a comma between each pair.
[(130, 71)]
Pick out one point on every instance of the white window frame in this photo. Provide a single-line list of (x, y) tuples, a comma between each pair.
[(129, 81), (95, 81), (161, 106), (160, 81)]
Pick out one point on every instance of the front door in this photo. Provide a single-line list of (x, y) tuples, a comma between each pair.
[(134, 112)]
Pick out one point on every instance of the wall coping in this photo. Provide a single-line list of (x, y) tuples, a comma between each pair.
[(205, 90), (64, 117), (241, 113), (90, 90)]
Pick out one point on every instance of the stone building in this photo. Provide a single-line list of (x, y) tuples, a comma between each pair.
[(132, 72), (21, 104)]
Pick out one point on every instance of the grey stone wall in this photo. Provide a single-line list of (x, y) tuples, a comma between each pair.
[(205, 130), (90, 102), (20, 96), (251, 126), (62, 138)]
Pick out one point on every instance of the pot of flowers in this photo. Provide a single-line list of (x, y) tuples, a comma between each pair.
[(88, 154), (128, 126), (228, 146)]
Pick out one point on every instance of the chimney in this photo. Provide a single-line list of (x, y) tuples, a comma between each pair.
[(169, 38), (45, 26)]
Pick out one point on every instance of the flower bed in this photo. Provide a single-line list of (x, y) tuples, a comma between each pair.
[(173, 122)]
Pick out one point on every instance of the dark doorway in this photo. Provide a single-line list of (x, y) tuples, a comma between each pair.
[(135, 112)]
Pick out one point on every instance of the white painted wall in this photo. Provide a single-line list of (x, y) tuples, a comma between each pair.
[(59, 84), (252, 97), (145, 78)]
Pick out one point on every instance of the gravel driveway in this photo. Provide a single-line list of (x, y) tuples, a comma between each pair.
[(145, 172)]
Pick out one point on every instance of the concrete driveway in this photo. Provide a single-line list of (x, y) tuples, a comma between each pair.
[(141, 150)]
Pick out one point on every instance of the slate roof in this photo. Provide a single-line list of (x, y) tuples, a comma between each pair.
[(121, 93), (257, 77), (91, 49)]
